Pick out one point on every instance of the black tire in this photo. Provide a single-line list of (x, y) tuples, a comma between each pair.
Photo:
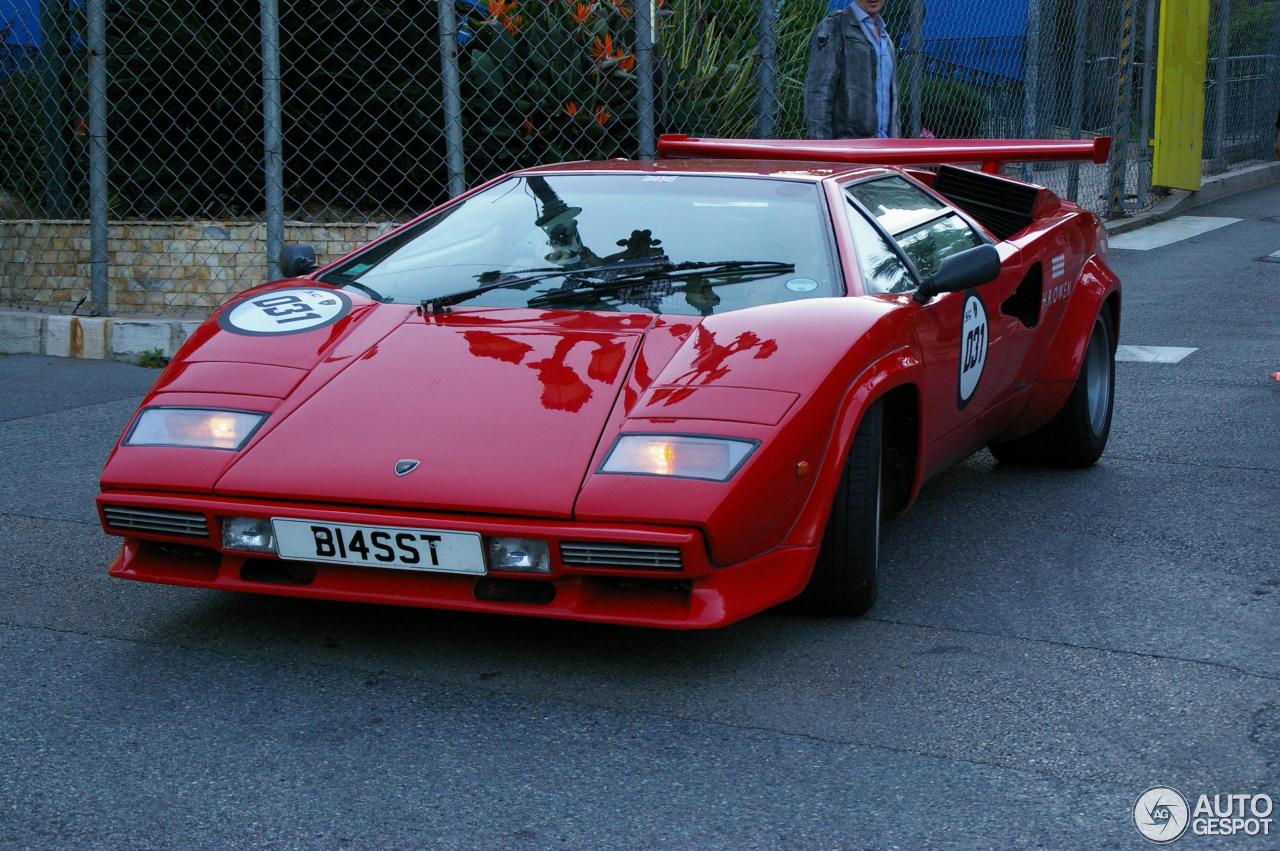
[(1078, 434), (843, 582)]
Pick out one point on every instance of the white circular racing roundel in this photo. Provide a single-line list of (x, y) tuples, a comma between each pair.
[(287, 311), (973, 346)]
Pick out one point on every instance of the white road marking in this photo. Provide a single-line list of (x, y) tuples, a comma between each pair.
[(1152, 354), (1167, 233)]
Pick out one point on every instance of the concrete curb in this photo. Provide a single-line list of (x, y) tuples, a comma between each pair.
[(1213, 189), (93, 337), (126, 337)]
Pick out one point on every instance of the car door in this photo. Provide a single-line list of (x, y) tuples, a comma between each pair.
[(969, 347)]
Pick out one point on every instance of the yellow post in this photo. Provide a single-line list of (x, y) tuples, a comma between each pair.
[(1180, 72)]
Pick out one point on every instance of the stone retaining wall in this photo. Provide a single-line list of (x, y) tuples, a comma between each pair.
[(179, 269)]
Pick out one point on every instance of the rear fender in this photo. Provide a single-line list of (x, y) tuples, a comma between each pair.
[(1066, 352), (898, 368)]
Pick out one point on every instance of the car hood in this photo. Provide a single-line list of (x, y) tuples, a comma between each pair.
[(503, 416)]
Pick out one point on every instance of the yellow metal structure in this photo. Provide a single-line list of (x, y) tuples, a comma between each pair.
[(1180, 73)]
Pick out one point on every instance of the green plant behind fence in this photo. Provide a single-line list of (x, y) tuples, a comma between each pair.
[(548, 81), (710, 66), (22, 147)]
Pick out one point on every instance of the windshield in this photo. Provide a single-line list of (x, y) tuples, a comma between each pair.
[(531, 235)]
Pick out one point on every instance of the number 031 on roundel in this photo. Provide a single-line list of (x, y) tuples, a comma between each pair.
[(973, 346)]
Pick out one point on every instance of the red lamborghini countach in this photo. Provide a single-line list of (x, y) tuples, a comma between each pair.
[(668, 393)]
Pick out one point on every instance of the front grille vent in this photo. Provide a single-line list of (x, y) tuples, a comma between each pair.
[(631, 556), (154, 520)]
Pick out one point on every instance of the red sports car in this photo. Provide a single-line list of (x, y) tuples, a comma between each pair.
[(668, 393)]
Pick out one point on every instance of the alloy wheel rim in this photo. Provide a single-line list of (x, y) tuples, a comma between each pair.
[(1098, 376)]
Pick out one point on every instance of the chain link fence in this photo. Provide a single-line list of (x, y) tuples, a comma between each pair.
[(1242, 84), (234, 125)]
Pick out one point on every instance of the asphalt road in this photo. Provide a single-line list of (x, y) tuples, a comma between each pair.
[(1047, 646)]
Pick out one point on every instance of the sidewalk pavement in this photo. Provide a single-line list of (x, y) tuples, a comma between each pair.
[(125, 337)]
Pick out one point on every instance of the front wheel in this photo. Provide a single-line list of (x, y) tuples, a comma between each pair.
[(1079, 432), (843, 582)]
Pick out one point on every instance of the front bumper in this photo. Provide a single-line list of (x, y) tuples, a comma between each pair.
[(698, 595)]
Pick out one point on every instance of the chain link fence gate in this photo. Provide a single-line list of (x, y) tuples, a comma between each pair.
[(225, 128)]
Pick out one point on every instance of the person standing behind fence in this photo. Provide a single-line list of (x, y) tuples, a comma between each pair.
[(851, 91)]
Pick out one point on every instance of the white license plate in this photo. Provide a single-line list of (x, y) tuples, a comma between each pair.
[(380, 546)]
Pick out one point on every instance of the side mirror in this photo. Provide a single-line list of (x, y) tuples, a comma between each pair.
[(297, 260), (970, 268)]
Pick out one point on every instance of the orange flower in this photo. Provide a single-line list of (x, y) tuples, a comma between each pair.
[(513, 24), (528, 127), (605, 54), (580, 13), (571, 109), (501, 8), (601, 50), (620, 7), (602, 116)]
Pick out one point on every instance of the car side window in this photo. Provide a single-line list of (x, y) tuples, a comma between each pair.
[(927, 230), (882, 270), (929, 244)]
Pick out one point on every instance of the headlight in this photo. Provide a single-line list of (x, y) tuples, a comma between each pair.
[(193, 427), (713, 458)]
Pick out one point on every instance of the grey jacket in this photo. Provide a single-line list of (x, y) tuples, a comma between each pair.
[(840, 88)]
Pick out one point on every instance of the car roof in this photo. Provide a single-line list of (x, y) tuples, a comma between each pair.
[(782, 169)]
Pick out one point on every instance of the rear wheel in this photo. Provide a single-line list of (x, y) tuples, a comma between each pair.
[(1079, 432), (843, 582)]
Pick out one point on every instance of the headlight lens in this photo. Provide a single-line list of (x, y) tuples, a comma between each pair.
[(712, 458), (193, 427), (521, 554), (248, 533)]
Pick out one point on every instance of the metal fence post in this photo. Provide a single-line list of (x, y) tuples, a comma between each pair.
[(1148, 99), (645, 12), (768, 69), (1220, 83), (1120, 124), (1031, 71), (917, 65), (96, 46), (1273, 75), (1079, 23), (452, 82), (53, 57), (1031, 78), (272, 135)]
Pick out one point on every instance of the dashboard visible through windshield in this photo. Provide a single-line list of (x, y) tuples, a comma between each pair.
[(663, 243)]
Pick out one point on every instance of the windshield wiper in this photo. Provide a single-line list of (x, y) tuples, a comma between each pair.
[(524, 277), (733, 271)]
